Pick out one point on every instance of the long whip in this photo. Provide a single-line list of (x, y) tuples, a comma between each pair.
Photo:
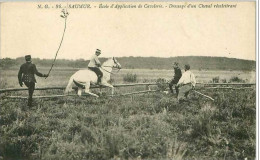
[(64, 15), (204, 95)]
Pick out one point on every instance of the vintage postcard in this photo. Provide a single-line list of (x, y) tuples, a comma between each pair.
[(128, 80)]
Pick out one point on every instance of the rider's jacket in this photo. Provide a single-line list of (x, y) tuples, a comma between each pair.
[(94, 62)]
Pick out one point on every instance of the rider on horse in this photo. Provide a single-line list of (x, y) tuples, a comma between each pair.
[(94, 65)]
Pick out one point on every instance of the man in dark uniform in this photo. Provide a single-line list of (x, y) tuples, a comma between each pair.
[(176, 77), (26, 76)]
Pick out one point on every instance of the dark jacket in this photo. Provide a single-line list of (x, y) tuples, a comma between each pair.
[(27, 71), (177, 74)]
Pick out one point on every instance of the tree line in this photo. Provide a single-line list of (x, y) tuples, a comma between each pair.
[(196, 62)]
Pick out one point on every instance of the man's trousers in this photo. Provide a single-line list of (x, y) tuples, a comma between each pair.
[(31, 87), (174, 81), (98, 72), (184, 91)]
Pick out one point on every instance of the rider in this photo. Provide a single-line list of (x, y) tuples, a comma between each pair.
[(94, 65)]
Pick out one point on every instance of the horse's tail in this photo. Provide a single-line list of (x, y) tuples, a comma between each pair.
[(69, 86)]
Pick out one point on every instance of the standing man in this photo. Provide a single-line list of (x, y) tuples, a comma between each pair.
[(94, 65), (26, 76), (176, 77), (186, 83)]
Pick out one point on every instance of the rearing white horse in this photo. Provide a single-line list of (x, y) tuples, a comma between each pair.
[(86, 77)]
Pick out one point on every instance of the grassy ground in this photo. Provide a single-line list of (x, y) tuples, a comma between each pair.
[(60, 76), (149, 126), (146, 126)]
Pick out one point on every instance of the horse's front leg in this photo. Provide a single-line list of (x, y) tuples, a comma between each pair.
[(110, 86)]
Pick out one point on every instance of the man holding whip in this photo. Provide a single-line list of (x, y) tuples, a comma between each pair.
[(26, 76), (186, 83)]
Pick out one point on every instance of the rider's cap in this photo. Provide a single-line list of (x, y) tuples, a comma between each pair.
[(98, 51), (28, 57)]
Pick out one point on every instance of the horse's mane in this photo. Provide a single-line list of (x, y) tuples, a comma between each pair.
[(108, 61)]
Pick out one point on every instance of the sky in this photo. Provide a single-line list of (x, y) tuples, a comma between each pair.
[(156, 32)]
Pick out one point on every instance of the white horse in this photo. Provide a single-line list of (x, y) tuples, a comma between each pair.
[(83, 78)]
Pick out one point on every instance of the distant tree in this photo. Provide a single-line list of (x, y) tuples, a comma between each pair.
[(7, 63), (197, 63)]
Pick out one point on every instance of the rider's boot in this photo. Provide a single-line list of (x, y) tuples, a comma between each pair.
[(99, 80)]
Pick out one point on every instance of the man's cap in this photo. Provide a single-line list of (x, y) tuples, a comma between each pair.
[(176, 64), (98, 51), (28, 57), (187, 66)]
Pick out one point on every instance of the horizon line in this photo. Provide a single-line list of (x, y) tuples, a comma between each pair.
[(133, 57)]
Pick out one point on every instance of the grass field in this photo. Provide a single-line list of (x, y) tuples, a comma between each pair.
[(60, 76), (148, 126)]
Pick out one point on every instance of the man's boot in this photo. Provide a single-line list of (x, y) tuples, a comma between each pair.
[(177, 91), (29, 104), (170, 87)]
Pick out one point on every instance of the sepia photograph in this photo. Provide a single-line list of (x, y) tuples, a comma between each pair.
[(128, 80)]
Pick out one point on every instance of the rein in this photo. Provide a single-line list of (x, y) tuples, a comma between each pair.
[(107, 70), (111, 67)]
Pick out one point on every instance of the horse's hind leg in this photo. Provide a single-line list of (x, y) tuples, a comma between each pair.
[(87, 86), (79, 91)]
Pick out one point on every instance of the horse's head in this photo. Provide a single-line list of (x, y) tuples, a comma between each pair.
[(116, 63)]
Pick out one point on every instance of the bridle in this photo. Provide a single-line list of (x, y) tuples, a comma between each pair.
[(117, 66)]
